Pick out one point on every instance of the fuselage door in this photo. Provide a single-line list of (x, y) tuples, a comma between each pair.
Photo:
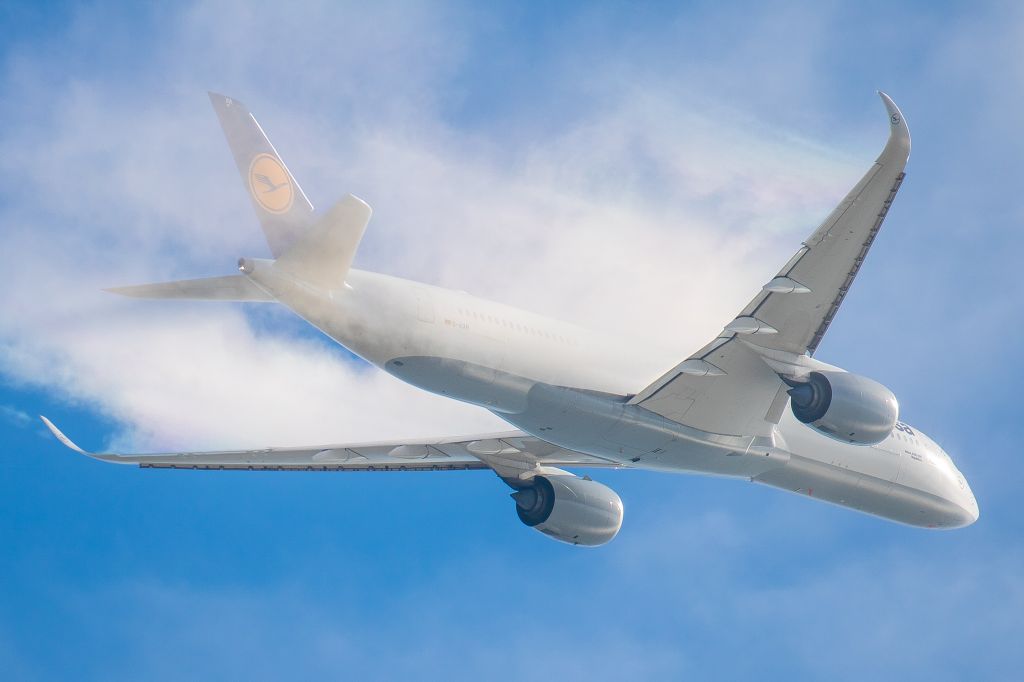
[(425, 308)]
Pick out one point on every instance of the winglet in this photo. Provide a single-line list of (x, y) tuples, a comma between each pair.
[(119, 459), (62, 438), (899, 136)]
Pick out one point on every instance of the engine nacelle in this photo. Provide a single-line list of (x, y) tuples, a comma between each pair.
[(845, 406), (574, 510)]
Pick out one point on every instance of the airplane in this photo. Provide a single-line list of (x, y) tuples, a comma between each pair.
[(753, 403)]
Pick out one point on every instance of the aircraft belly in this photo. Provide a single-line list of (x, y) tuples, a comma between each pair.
[(607, 426), (469, 382), (815, 479), (863, 492), (590, 422)]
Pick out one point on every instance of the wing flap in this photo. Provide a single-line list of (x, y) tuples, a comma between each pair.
[(734, 402)]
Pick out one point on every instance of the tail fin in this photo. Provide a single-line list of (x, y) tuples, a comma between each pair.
[(282, 206)]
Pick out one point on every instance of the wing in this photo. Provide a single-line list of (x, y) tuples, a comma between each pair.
[(509, 454), (732, 385)]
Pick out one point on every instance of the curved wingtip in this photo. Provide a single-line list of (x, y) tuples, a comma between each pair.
[(899, 134), (61, 437), (70, 444)]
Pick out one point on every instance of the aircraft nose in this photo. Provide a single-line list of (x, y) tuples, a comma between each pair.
[(968, 505), (966, 516), (972, 507)]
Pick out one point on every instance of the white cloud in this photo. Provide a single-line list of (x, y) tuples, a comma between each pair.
[(652, 215), (15, 417), (560, 224)]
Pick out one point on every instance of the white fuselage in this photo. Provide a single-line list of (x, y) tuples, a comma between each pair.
[(569, 386)]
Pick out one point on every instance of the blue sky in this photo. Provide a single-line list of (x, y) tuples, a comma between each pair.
[(641, 167)]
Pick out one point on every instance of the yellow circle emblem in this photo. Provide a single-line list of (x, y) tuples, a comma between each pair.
[(269, 184)]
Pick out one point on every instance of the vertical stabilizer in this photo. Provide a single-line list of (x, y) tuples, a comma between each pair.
[(283, 209), (324, 253)]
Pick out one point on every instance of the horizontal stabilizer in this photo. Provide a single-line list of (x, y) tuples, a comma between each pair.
[(323, 255), (229, 288)]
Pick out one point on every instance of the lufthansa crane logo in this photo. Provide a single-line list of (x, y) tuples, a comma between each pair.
[(270, 185)]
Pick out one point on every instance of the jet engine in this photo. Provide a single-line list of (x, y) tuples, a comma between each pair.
[(574, 510), (845, 406)]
